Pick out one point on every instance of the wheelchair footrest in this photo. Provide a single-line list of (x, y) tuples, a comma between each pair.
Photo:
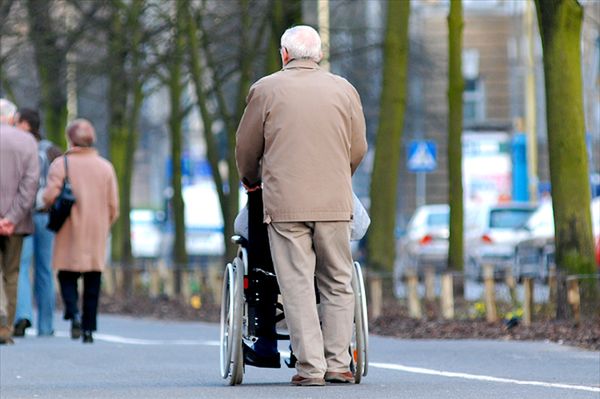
[(291, 362)]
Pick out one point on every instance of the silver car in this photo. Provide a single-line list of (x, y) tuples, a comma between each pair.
[(425, 242), (534, 254), (491, 234)]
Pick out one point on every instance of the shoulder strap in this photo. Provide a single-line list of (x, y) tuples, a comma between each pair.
[(66, 170)]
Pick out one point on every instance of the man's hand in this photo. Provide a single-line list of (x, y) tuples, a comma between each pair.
[(251, 187), (7, 227)]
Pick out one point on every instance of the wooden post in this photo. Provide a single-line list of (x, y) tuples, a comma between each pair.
[(573, 297), (108, 282), (186, 289), (375, 296), (430, 284), (166, 278), (490, 294), (447, 297), (118, 272), (138, 281), (412, 284), (215, 281), (528, 301), (552, 284), (511, 284), (154, 289)]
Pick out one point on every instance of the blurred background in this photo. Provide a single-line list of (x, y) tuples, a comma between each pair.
[(164, 83)]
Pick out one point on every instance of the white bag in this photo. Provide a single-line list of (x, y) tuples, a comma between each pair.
[(240, 225), (358, 226), (360, 220)]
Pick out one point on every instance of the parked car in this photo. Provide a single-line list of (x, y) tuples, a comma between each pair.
[(146, 235), (425, 242), (535, 254), (491, 234)]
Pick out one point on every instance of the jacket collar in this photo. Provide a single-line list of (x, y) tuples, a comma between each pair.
[(301, 63), (81, 150)]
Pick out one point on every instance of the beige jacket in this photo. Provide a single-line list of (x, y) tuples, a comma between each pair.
[(303, 134), (80, 245), (19, 173)]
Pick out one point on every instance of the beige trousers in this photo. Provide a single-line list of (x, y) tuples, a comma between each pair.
[(301, 251), (10, 256)]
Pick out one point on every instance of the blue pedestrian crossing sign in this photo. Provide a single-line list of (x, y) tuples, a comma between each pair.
[(421, 156)]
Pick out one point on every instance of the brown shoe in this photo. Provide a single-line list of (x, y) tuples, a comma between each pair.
[(337, 377), (6, 336), (298, 380)]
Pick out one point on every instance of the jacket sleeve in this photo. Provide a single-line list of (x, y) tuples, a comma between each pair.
[(113, 197), (25, 198), (358, 144), (250, 142), (54, 181)]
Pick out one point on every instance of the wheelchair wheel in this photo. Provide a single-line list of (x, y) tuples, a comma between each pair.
[(360, 337), (232, 304)]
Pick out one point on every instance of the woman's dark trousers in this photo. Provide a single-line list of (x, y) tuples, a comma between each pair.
[(91, 293)]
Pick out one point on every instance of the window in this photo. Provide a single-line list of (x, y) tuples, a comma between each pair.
[(474, 91)]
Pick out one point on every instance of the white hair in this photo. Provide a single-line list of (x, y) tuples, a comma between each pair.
[(302, 41), (7, 110)]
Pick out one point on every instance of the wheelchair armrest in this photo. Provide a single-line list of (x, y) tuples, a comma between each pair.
[(239, 240)]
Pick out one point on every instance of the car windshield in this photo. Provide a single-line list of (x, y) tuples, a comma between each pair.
[(437, 219), (509, 218)]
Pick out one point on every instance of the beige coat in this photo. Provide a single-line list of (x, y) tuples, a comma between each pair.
[(305, 128), (80, 245), (19, 173)]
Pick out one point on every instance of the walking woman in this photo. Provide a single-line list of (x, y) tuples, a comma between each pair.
[(80, 244)]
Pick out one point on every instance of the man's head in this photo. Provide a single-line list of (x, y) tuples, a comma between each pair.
[(301, 42), (7, 111), (81, 133), (29, 120)]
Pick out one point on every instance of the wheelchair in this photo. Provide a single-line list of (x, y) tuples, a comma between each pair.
[(246, 287)]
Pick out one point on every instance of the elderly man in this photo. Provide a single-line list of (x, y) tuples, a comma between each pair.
[(37, 248), (19, 172), (303, 135)]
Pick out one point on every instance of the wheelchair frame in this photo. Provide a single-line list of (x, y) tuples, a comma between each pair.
[(234, 319)]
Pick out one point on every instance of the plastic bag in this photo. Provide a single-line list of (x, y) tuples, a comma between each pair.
[(360, 220), (358, 226)]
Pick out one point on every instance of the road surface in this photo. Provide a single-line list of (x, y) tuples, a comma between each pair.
[(144, 358)]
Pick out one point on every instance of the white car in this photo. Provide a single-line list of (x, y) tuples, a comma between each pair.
[(146, 235), (491, 234), (425, 242), (535, 253)]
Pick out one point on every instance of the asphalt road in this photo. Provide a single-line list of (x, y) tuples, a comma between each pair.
[(142, 358)]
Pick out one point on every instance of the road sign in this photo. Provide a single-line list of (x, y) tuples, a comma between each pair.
[(422, 156)]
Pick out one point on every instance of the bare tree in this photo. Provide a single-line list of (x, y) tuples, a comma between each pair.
[(455, 126), (221, 72), (560, 29), (384, 178)]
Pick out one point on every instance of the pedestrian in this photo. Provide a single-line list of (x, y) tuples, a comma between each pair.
[(80, 244), (38, 246), (19, 173), (302, 136)]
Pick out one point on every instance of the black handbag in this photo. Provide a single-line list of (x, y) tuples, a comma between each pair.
[(61, 208)]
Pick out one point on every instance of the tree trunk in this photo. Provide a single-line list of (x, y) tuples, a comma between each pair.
[(175, 91), (455, 126), (283, 16), (384, 178), (560, 29), (124, 85), (50, 60)]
